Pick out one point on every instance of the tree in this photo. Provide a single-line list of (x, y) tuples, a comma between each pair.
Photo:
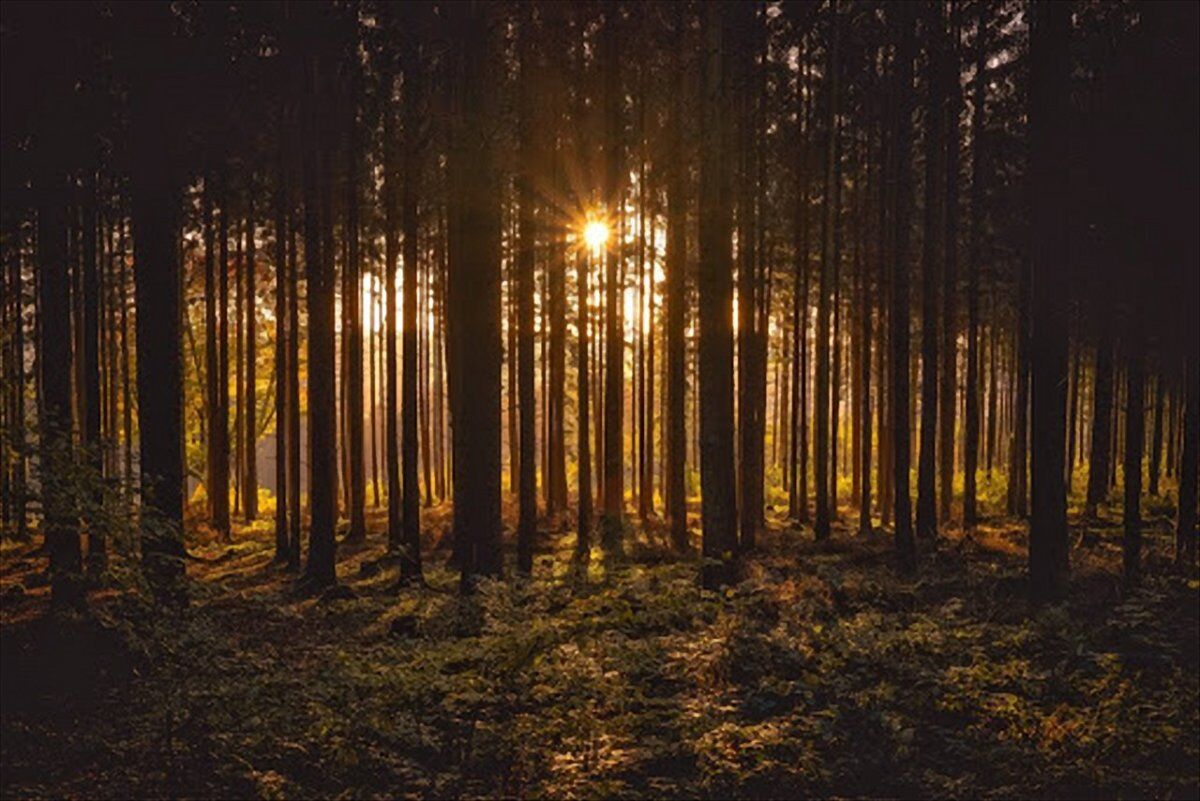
[(718, 496), (391, 227), (352, 336), (250, 437), (751, 361), (1102, 398), (676, 296), (475, 289), (975, 267), (931, 265), (899, 322), (319, 571), (822, 437), (612, 521), (583, 521), (410, 560), (527, 523), (218, 426), (1185, 516), (54, 349), (1049, 147), (952, 97), (90, 424), (158, 277), (283, 333)]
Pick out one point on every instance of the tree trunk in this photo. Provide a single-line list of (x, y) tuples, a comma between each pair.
[(1049, 152), (1185, 516), (614, 340), (320, 568), (1157, 442), (821, 443), (526, 244), (676, 298), (749, 407), (283, 398), (410, 559), (93, 452), (1102, 399), (475, 287), (583, 522), (59, 515), (899, 321), (931, 265), (158, 278), (975, 267), (391, 437), (1135, 438), (718, 495), (352, 342), (250, 438), (949, 371), (1018, 466)]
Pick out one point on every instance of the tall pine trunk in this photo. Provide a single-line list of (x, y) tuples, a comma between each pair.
[(322, 413), (676, 298), (410, 561), (527, 493), (718, 492), (475, 288), (899, 322), (931, 265), (1049, 151)]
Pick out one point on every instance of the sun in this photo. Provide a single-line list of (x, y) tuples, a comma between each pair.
[(595, 234)]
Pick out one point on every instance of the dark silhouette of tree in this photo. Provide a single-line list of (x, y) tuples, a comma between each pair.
[(1049, 144)]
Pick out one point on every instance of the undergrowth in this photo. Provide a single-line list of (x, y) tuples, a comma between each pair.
[(823, 672)]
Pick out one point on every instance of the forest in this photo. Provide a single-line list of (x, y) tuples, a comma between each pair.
[(599, 399)]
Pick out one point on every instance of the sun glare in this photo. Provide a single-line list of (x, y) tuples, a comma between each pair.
[(595, 234)]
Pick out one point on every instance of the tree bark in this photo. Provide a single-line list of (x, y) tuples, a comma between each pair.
[(410, 559), (899, 322), (931, 266), (320, 568), (676, 298), (526, 243), (1049, 152), (475, 286), (718, 492)]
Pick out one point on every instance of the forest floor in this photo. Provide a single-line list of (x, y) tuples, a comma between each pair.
[(823, 673)]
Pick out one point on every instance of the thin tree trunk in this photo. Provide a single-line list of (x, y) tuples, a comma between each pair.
[(899, 321), (931, 266), (949, 372), (526, 244), (583, 523), (1185, 516), (250, 438), (612, 523), (352, 341), (718, 491), (282, 397), (975, 268), (1102, 399), (410, 558), (676, 299), (59, 524), (391, 436), (821, 444)]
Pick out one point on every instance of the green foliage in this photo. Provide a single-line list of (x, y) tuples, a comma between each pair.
[(821, 673)]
